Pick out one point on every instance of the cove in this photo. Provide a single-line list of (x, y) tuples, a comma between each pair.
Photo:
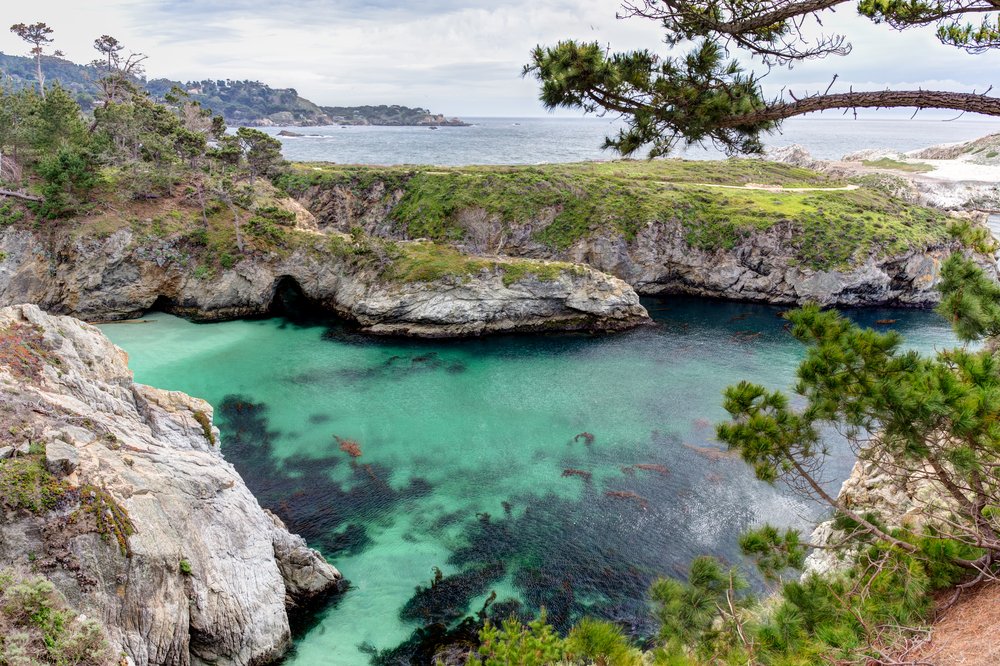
[(473, 458)]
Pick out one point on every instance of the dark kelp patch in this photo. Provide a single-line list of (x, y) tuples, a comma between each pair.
[(447, 597), (301, 490)]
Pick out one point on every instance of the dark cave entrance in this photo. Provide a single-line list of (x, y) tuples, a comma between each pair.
[(290, 302)]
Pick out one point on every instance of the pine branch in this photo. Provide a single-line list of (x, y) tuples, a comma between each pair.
[(928, 99)]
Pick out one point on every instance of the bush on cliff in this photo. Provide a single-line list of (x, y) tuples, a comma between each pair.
[(38, 627)]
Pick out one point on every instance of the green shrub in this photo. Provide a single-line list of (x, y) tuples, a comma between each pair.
[(973, 236), (514, 644), (206, 426), (264, 228), (276, 215), (10, 213), (67, 177), (26, 485), (37, 627), (202, 272), (198, 237), (602, 642)]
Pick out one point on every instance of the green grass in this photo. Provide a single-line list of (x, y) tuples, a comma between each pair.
[(889, 163), (429, 262), (550, 271), (827, 229)]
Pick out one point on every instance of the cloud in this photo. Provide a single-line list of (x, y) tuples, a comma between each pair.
[(458, 58)]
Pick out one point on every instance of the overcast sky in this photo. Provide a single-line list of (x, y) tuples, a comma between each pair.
[(457, 58)]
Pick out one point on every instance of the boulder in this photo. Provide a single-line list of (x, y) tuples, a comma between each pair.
[(61, 459)]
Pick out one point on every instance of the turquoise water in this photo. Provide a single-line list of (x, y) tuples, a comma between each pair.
[(452, 431)]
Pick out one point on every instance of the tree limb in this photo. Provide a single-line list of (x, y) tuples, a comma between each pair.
[(930, 99), (20, 195)]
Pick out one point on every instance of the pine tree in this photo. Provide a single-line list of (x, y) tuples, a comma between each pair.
[(708, 94)]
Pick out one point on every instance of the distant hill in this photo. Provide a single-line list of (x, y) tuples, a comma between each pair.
[(240, 102)]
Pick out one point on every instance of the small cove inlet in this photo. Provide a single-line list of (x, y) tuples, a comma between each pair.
[(395, 457)]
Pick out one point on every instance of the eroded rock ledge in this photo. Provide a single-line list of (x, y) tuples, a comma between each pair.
[(126, 504), (741, 229), (421, 290)]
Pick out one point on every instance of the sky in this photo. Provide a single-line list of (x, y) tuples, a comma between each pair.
[(458, 58)]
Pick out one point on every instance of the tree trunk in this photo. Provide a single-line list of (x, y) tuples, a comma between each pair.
[(920, 99), (41, 77), (201, 200), (236, 224), (20, 195)]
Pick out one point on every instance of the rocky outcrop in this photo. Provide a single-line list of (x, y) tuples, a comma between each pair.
[(126, 504), (121, 276), (658, 260), (874, 488), (960, 177), (985, 151)]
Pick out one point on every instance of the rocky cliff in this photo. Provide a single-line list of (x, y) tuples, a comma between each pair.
[(418, 289), (876, 487), (792, 238), (119, 494)]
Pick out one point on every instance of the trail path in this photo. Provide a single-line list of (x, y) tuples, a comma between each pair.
[(775, 188)]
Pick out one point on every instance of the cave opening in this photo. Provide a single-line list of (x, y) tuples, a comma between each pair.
[(290, 302), (162, 304)]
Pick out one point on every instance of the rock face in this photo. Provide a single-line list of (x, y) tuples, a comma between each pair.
[(146, 526), (658, 260), (897, 500), (121, 276)]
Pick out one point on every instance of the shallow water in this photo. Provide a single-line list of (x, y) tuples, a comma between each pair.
[(451, 431)]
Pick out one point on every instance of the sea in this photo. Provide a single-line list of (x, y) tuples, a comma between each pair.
[(556, 139)]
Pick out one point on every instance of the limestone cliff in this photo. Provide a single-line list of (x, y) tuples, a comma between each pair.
[(876, 487), (417, 289), (812, 240), (119, 494)]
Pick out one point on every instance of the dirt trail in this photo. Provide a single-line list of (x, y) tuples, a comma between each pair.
[(965, 633), (776, 188)]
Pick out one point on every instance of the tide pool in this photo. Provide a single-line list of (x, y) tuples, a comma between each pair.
[(562, 471)]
